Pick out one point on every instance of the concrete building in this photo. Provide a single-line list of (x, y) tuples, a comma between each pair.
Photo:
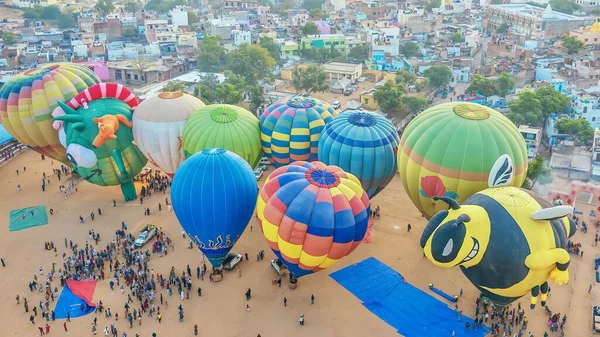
[(110, 26), (221, 27), (142, 71), (236, 5), (404, 16), (338, 5), (240, 37), (385, 41), (595, 174), (289, 48), (588, 35), (532, 20), (85, 22), (179, 16), (586, 104), (34, 3), (533, 139), (336, 41), (588, 5), (451, 7), (373, 9), (339, 70)]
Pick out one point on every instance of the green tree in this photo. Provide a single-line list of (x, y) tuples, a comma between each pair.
[(564, 6), (422, 83), (457, 37), (410, 49), (8, 38), (552, 101), (309, 28), (286, 4), (270, 45), (502, 28), (211, 55), (497, 2), (132, 6), (227, 93), (174, 86), (527, 109), (51, 12), (192, 18), (129, 32), (579, 129), (433, 4), (252, 62), (163, 6), (572, 44), (438, 75), (34, 13), (505, 84), (317, 13), (310, 79), (389, 96), (483, 86), (539, 172), (414, 104), (311, 4), (66, 21), (321, 55), (359, 52), (405, 76), (105, 7)]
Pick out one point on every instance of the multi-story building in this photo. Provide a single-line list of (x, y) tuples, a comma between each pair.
[(334, 41), (339, 70), (586, 104), (533, 139), (373, 9), (34, 3), (109, 26), (588, 35), (289, 48), (532, 20), (143, 71), (385, 41), (338, 5), (221, 27), (236, 5), (179, 16), (595, 174), (240, 37), (85, 22), (588, 5)]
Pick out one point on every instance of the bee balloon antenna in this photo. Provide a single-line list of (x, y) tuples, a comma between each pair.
[(451, 202)]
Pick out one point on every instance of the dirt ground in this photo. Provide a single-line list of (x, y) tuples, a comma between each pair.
[(7, 12), (221, 309)]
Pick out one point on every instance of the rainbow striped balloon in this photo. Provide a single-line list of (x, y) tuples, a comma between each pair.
[(28, 99), (312, 215), (290, 129)]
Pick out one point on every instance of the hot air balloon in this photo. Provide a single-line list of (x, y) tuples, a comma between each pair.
[(158, 125), (223, 126), (364, 144), (449, 149), (28, 99), (99, 140), (290, 129), (214, 195), (312, 215)]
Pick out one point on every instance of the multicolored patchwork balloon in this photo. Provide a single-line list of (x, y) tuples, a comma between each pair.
[(312, 215), (449, 149), (28, 99), (290, 129), (364, 144), (223, 126)]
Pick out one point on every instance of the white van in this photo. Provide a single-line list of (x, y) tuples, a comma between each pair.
[(336, 105)]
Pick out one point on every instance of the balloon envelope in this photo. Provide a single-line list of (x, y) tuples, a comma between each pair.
[(364, 144), (290, 129), (312, 215), (449, 150), (158, 124), (214, 193), (223, 126), (28, 99)]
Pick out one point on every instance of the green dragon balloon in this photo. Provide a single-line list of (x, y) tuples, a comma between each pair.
[(99, 142)]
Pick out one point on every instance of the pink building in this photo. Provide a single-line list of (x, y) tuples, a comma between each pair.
[(324, 28), (99, 67)]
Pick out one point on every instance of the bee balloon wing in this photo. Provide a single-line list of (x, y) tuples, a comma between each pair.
[(502, 173)]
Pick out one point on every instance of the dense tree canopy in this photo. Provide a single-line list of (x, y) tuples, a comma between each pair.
[(410, 49), (132, 6), (552, 101), (414, 104), (572, 44), (359, 52), (483, 86), (309, 28), (310, 79), (270, 45), (526, 110), (252, 62), (538, 172), (505, 84), (405, 76), (104, 7), (211, 55), (8, 38), (389, 96), (174, 86), (438, 75), (579, 129)]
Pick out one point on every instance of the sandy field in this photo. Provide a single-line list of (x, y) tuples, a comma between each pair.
[(221, 309)]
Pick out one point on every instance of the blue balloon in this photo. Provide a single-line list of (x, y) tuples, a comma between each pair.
[(214, 193), (364, 144)]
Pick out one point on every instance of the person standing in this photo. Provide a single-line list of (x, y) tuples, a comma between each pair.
[(65, 326), (312, 299), (284, 301), (302, 320), (409, 227), (3, 263), (99, 211), (195, 329)]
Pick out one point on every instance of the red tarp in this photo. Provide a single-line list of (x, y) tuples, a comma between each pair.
[(83, 289)]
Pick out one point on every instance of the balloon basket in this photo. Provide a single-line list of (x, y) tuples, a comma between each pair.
[(293, 285), (217, 277)]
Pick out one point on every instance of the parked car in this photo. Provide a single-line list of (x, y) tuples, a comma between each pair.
[(231, 261), (336, 105), (279, 267), (145, 235), (265, 161), (258, 173)]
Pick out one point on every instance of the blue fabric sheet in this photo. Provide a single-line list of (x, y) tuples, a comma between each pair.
[(5, 137), (69, 302), (413, 312), (443, 294)]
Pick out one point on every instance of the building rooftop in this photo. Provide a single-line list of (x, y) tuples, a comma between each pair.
[(529, 129), (537, 12), (327, 36)]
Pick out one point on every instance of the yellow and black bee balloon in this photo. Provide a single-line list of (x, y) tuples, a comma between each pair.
[(507, 241)]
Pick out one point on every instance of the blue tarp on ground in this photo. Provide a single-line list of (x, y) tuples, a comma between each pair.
[(5, 137), (413, 312), (69, 302)]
